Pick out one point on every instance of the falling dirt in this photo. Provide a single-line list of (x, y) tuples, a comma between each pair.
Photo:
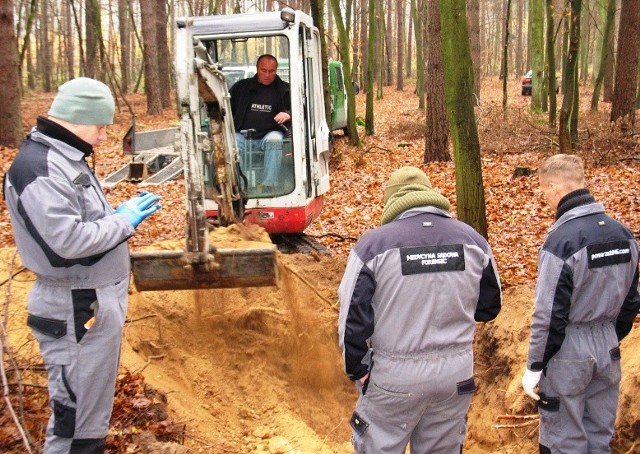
[(259, 369)]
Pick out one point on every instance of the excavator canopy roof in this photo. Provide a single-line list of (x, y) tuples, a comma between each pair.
[(209, 26)]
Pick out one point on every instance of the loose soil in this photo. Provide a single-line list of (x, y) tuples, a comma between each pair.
[(258, 370)]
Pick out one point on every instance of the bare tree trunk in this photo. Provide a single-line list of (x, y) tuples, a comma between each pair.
[(364, 44), (125, 43), (45, 48), (380, 48), (11, 133), (505, 56), (626, 82), (103, 68), (67, 36), (568, 101), (436, 147), (497, 38), (551, 62), (329, 31), (77, 19), (409, 57), (317, 10), (151, 77), (417, 13), (28, 28), (609, 74), (519, 30), (345, 47), (604, 53), (164, 63), (388, 47), (473, 10), (559, 18), (91, 40), (400, 42), (638, 90), (462, 120), (536, 48), (565, 46), (369, 124), (585, 31), (355, 45)]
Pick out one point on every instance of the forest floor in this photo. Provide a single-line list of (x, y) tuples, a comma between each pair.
[(258, 370)]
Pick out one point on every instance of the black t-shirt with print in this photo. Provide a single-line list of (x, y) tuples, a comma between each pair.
[(263, 107)]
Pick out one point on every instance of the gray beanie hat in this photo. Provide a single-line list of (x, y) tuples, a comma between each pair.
[(83, 101)]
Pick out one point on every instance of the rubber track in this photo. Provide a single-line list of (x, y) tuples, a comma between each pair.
[(298, 243)]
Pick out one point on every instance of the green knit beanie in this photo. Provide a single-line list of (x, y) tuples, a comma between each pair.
[(409, 187), (83, 101)]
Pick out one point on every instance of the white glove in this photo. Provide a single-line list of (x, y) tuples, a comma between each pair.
[(530, 380)]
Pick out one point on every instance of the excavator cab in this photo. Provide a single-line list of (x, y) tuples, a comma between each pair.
[(255, 162), (236, 41)]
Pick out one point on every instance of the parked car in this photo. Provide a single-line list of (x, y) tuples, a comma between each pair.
[(526, 84)]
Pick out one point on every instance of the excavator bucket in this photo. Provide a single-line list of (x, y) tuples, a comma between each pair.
[(232, 267)]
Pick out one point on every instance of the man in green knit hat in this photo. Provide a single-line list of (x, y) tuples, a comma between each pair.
[(410, 296), (68, 234)]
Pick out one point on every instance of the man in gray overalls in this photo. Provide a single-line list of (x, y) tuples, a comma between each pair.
[(69, 236), (410, 297), (585, 303)]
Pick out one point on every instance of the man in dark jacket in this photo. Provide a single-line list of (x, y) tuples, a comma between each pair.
[(69, 236), (410, 297), (262, 105), (585, 303)]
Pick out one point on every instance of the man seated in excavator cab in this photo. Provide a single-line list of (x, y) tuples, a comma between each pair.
[(261, 107)]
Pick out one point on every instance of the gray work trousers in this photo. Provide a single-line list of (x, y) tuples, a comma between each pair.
[(420, 400), (579, 392), (81, 363)]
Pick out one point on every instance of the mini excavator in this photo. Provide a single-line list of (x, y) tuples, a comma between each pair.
[(203, 99), (222, 185)]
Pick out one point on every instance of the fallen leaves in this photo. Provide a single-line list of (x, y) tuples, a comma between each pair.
[(517, 214)]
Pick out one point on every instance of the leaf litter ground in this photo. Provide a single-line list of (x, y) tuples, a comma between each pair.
[(258, 369)]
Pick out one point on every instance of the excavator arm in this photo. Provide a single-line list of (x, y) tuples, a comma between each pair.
[(206, 147)]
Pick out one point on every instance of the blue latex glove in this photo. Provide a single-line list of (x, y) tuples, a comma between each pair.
[(138, 208)]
